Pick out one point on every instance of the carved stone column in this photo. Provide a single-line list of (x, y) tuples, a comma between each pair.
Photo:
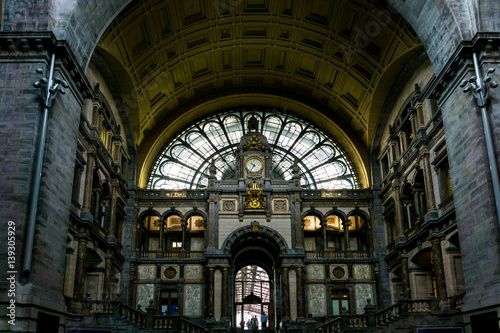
[(299, 231), (285, 295), (106, 293), (438, 266), (225, 294), (399, 211), (80, 270), (96, 211), (301, 307), (184, 228), (345, 225), (405, 277), (413, 121), (417, 205), (211, 221), (112, 216), (162, 235), (89, 174), (323, 229), (210, 294), (429, 188)]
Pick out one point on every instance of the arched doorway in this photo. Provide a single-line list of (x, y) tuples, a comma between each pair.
[(255, 256), (252, 295)]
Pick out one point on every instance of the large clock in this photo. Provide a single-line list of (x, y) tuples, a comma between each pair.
[(254, 165)]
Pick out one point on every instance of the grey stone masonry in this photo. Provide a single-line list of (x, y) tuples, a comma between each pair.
[(473, 192), (20, 123)]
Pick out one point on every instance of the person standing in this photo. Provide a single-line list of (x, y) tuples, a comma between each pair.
[(263, 320), (242, 324), (255, 324)]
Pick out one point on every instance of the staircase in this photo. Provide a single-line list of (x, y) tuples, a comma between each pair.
[(114, 316), (404, 316)]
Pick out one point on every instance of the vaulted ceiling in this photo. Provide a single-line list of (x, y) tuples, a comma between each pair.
[(335, 56)]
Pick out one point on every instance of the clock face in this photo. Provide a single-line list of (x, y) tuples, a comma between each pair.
[(254, 165)]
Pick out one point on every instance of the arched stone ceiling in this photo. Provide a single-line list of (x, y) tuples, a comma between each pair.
[(332, 53)]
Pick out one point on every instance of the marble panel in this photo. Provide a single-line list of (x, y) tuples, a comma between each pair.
[(315, 272), (192, 300), (317, 300), (145, 293), (362, 272), (146, 272), (363, 292), (193, 272)]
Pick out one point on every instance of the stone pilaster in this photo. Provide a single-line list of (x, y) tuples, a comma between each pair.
[(301, 306), (429, 188), (405, 277), (438, 266), (80, 270), (299, 231), (210, 294), (399, 211), (211, 221), (106, 292), (184, 227), (285, 294), (225, 294), (323, 230), (89, 173), (112, 216), (345, 225), (162, 235)]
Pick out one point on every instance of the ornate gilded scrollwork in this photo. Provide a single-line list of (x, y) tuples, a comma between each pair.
[(255, 199), (254, 144)]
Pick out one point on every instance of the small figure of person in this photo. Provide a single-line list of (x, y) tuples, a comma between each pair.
[(242, 324), (263, 320), (255, 324)]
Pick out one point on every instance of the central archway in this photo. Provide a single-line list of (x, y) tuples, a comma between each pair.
[(255, 255)]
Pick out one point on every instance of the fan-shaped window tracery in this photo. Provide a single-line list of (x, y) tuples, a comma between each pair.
[(184, 162)]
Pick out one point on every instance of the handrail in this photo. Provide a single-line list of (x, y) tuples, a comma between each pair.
[(388, 314), (331, 326), (190, 327)]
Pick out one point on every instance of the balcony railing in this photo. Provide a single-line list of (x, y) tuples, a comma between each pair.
[(338, 254), (170, 254)]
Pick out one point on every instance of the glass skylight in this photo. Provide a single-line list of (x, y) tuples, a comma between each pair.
[(184, 161)]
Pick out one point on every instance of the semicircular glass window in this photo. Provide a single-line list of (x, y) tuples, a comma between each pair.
[(184, 161)]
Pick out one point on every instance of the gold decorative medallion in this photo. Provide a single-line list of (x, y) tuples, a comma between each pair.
[(255, 199), (338, 272), (170, 272)]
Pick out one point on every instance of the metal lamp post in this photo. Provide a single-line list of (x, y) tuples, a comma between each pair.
[(49, 89), (479, 88)]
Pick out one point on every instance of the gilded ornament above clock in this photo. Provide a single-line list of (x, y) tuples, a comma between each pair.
[(254, 144)]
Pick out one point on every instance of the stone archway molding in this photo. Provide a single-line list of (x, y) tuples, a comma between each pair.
[(257, 230)]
